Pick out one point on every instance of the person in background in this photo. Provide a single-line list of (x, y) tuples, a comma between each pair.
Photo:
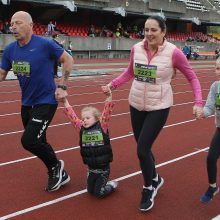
[(51, 28), (32, 58), (6, 28), (70, 48), (187, 51), (56, 63), (213, 106), (153, 63)]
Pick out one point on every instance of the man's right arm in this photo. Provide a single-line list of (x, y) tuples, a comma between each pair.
[(3, 74)]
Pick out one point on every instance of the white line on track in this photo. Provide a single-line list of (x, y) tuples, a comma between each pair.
[(89, 85), (77, 147), (18, 100), (92, 93), (88, 78), (72, 195), (76, 94), (57, 125)]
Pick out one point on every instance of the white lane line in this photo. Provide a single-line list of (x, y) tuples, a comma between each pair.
[(216, 217), (62, 124), (77, 147), (18, 100), (93, 103), (77, 94), (72, 195)]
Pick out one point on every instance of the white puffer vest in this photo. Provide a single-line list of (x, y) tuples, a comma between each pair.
[(146, 96)]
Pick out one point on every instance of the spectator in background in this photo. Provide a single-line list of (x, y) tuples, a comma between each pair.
[(69, 49), (56, 63), (195, 53), (6, 28), (217, 53), (104, 31), (92, 32), (117, 33), (126, 34), (51, 28), (187, 51)]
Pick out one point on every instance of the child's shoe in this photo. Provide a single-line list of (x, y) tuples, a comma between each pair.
[(210, 193), (113, 184)]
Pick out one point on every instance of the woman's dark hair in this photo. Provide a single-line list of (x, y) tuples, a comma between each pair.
[(160, 21)]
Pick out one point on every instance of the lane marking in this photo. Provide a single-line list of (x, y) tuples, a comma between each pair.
[(92, 93), (77, 147), (17, 100), (216, 217), (72, 195), (67, 123)]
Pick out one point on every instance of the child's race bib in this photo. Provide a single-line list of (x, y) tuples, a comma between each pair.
[(94, 138)]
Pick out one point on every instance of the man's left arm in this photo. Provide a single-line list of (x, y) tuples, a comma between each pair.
[(67, 65)]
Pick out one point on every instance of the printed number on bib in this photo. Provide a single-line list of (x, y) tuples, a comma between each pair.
[(21, 68), (145, 73), (92, 139)]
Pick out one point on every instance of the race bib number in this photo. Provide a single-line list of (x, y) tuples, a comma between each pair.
[(217, 101), (21, 68), (92, 139), (145, 73)]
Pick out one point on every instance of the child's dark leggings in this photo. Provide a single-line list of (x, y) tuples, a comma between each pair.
[(146, 127), (97, 182), (213, 155)]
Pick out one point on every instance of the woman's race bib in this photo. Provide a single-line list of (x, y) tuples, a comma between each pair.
[(145, 73)]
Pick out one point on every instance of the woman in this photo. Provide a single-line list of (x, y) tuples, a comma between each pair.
[(153, 62)]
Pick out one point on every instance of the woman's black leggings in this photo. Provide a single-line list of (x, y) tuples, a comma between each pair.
[(213, 155), (146, 127)]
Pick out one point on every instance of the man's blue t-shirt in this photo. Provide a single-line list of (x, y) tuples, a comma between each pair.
[(34, 66)]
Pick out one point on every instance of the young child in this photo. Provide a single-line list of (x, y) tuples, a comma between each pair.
[(95, 147), (213, 105)]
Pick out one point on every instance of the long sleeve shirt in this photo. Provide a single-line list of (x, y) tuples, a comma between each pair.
[(77, 122), (210, 105)]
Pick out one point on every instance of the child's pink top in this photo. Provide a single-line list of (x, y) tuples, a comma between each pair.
[(77, 122)]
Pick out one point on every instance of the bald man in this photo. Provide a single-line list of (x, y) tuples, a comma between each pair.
[(32, 60)]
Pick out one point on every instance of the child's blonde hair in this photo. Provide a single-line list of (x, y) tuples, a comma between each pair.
[(95, 112)]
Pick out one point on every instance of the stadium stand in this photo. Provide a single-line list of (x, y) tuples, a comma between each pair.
[(73, 26)]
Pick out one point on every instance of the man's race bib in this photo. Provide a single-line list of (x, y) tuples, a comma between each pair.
[(21, 68), (92, 138), (145, 73)]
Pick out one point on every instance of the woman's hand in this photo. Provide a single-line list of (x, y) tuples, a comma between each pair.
[(107, 89), (198, 112)]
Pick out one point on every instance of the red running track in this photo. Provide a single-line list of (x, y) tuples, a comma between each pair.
[(179, 150)]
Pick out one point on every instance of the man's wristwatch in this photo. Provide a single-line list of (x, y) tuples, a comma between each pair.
[(63, 87)]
